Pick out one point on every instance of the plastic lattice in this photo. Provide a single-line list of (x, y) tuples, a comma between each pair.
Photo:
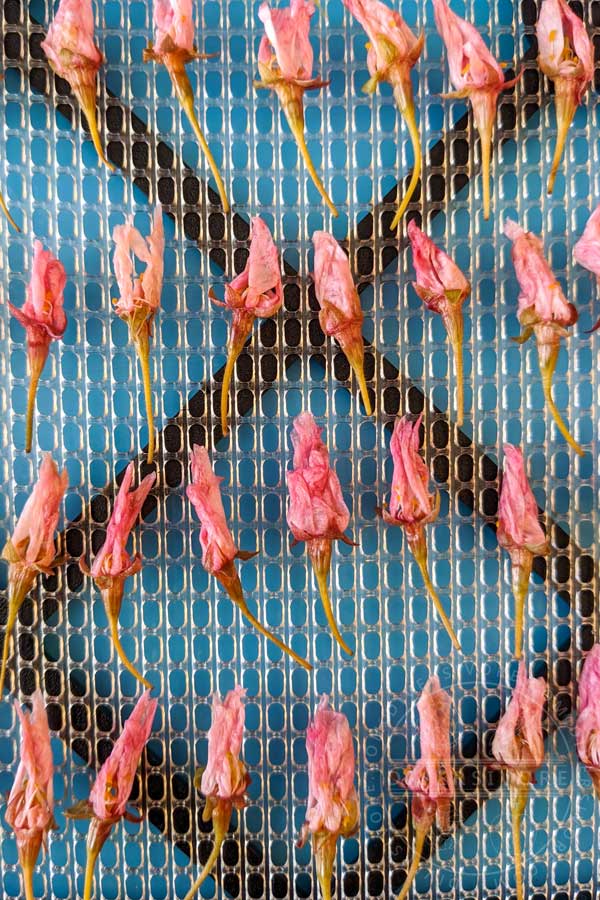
[(176, 624)]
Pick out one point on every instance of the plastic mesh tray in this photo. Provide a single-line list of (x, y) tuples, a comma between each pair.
[(176, 623)]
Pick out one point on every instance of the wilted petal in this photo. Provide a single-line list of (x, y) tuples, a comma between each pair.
[(33, 537), (519, 741), (225, 776), (439, 280), (564, 46), (30, 805), (518, 521), (287, 31), (173, 26), (587, 249), (472, 66), (588, 716), (139, 292), (411, 503), (392, 43), (218, 547), (69, 43)]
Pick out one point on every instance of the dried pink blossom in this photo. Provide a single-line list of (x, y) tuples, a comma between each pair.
[(431, 780), (316, 510), (257, 292), (30, 808), (31, 549), (586, 251), (285, 64), (518, 746), (113, 565), (519, 532), (219, 550), (73, 55), (443, 289), (139, 298), (411, 505), (475, 75), (225, 779), (566, 57), (43, 318), (544, 311), (341, 315), (393, 50), (588, 716), (109, 796), (332, 808), (173, 47)]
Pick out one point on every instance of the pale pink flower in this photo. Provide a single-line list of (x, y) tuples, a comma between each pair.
[(519, 740), (113, 560), (566, 56), (173, 26), (218, 547), (518, 518), (432, 777), (32, 542), (392, 52), (588, 716), (544, 311), (586, 251), (74, 56), (111, 790), (257, 292), (225, 776), (285, 63), (341, 315), (475, 75), (443, 289)]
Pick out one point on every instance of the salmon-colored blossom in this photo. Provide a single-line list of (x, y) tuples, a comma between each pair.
[(586, 251), (588, 716)]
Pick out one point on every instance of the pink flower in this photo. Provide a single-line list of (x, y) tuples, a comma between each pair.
[(287, 39), (341, 315), (432, 777), (443, 289), (393, 50), (285, 64), (218, 547), (543, 310), (519, 741), (139, 294), (411, 503), (111, 790), (566, 56), (74, 56), (588, 716), (225, 776), (255, 292), (316, 507), (475, 74), (173, 26), (32, 543), (587, 249), (113, 560), (518, 521), (30, 809), (43, 318)]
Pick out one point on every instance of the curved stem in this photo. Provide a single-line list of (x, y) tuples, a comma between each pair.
[(320, 556), (88, 885), (220, 816), (6, 212), (420, 836), (565, 111), (408, 113), (142, 343), (547, 370), (16, 597), (114, 633), (272, 637), (421, 560), (229, 367), (86, 95), (355, 355), (297, 129)]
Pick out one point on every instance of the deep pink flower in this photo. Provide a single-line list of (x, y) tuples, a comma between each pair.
[(475, 75), (332, 808), (225, 778), (566, 57), (139, 298), (586, 251), (113, 564), (285, 64), (518, 747), (411, 505), (219, 550), (432, 779), (109, 796), (393, 50), (588, 716), (341, 315), (544, 311), (316, 510), (31, 549), (74, 56), (257, 292), (30, 808), (43, 318), (443, 289), (173, 48)]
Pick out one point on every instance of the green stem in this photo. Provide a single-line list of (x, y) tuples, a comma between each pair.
[(86, 94), (220, 816), (521, 561), (114, 633), (419, 551), (408, 112), (320, 556), (519, 792), (17, 591), (565, 111), (296, 123), (421, 834), (548, 356), (142, 344)]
